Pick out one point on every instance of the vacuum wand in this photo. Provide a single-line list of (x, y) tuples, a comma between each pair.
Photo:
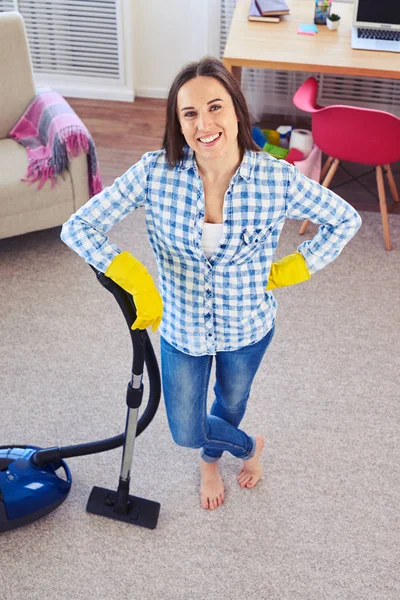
[(134, 396), (120, 505)]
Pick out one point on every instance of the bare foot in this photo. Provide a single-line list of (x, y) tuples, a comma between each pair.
[(251, 471), (211, 486)]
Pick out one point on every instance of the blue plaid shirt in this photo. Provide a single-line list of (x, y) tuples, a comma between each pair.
[(221, 303)]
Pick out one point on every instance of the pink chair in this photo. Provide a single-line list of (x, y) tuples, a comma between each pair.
[(359, 135)]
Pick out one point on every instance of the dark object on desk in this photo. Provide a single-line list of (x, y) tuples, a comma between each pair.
[(255, 15), (269, 8)]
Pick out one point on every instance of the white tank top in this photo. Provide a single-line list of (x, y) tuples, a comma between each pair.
[(212, 233)]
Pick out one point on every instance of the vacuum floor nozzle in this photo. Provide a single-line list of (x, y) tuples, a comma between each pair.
[(139, 511)]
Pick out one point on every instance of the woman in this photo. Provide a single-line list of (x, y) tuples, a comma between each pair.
[(215, 207)]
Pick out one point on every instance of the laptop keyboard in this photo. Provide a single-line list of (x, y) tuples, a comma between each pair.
[(379, 34)]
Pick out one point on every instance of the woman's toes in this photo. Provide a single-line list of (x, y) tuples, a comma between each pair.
[(211, 486), (243, 477)]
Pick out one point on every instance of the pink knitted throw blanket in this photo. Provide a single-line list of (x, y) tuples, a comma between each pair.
[(52, 134)]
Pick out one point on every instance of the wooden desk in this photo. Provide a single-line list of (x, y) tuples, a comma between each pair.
[(279, 46)]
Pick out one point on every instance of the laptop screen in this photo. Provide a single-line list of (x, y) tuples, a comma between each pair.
[(379, 11)]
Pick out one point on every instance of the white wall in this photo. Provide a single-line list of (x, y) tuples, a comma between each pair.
[(167, 34)]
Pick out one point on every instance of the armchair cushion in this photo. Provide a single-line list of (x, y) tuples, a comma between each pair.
[(24, 208), (78, 169)]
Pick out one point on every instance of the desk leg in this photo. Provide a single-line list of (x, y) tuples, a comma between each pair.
[(227, 65), (236, 71)]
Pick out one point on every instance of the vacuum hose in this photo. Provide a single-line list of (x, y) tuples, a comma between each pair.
[(143, 352)]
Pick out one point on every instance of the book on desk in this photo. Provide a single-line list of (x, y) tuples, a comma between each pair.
[(267, 11)]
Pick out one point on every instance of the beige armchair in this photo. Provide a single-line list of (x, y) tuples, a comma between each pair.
[(24, 208)]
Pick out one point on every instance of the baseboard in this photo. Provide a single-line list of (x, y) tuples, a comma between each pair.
[(145, 92), (102, 91)]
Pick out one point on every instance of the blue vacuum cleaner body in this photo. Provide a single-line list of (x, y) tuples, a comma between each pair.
[(28, 492)]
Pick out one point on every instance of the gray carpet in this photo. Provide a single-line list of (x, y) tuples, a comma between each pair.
[(324, 521)]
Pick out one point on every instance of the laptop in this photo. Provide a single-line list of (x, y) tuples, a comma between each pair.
[(376, 25)]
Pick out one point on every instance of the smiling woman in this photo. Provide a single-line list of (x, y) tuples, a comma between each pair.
[(207, 112), (204, 95), (211, 127), (215, 208)]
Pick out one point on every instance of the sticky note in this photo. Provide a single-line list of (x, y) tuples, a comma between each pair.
[(307, 29)]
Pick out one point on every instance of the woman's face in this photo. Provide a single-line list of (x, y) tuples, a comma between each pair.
[(207, 117)]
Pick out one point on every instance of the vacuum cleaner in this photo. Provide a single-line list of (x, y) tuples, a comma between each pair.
[(34, 481)]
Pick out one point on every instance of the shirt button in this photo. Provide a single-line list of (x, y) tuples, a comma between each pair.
[(207, 315), (209, 334)]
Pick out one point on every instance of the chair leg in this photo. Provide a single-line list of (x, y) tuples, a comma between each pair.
[(392, 183), (326, 167), (383, 207), (333, 167)]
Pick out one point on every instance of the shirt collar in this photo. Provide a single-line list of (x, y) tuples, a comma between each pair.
[(245, 170), (188, 160), (247, 165)]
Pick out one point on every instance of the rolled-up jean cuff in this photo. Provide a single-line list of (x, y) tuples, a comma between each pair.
[(253, 450), (208, 459), (211, 459)]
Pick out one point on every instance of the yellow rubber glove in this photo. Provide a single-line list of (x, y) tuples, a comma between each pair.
[(289, 270), (129, 273)]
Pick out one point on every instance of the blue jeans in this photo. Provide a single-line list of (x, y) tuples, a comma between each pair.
[(185, 381)]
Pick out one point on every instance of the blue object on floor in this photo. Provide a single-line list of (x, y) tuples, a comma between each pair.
[(29, 492), (258, 136)]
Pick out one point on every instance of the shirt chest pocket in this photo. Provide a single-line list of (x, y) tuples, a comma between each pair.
[(251, 241)]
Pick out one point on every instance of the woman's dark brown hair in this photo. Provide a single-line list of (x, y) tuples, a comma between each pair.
[(174, 141)]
